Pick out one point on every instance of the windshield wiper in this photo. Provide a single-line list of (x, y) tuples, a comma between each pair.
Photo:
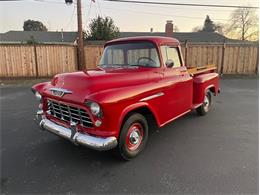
[(121, 65), (110, 65)]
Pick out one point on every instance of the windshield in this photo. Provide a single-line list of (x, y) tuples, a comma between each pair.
[(130, 54)]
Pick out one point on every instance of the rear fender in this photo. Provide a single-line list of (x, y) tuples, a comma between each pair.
[(203, 83)]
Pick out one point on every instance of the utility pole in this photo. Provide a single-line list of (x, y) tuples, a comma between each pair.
[(80, 43), (81, 59)]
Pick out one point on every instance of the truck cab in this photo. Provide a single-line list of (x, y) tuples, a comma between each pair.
[(139, 81)]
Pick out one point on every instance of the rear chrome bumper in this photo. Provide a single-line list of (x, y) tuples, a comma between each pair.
[(97, 143)]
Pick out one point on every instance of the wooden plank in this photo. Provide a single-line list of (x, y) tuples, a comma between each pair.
[(201, 69), (214, 51), (219, 57), (240, 60), (16, 61), (225, 56), (255, 58), (246, 61), (54, 59), (92, 56)]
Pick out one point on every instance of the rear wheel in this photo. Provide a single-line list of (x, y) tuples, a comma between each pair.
[(205, 107), (133, 136)]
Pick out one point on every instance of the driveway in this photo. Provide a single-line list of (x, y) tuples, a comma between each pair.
[(217, 153)]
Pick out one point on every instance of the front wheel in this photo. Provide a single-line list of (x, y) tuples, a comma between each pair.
[(133, 136), (205, 107)]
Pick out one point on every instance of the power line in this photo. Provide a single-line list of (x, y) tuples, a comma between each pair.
[(41, 1), (152, 13), (44, 1), (197, 9), (184, 4), (99, 8), (87, 15), (71, 18)]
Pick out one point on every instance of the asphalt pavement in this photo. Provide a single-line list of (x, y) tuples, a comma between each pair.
[(217, 153)]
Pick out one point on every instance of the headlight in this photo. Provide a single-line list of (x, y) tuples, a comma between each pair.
[(38, 96), (95, 108)]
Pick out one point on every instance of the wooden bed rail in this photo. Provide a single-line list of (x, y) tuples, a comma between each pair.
[(201, 69)]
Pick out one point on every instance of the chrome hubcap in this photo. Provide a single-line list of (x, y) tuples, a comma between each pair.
[(134, 137), (206, 103)]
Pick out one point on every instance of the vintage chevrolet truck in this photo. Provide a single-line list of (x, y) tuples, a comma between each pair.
[(140, 82)]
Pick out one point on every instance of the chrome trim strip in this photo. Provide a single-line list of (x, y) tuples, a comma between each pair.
[(97, 143), (61, 91), (152, 96), (175, 118)]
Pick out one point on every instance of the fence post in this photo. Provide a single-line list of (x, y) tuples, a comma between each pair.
[(186, 52), (36, 61), (257, 61), (223, 58)]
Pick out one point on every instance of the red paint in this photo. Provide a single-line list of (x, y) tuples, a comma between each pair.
[(119, 91)]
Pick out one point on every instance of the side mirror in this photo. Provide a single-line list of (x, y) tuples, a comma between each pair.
[(169, 63)]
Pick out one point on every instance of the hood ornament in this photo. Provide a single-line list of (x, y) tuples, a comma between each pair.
[(59, 91)]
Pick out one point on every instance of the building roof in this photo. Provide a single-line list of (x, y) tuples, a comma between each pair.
[(182, 36), (39, 36), (70, 37)]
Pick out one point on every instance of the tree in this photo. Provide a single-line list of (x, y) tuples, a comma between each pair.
[(31, 41), (102, 29), (209, 26), (32, 25), (176, 29), (243, 24)]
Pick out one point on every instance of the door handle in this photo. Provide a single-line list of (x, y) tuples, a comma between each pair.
[(183, 72), (160, 73)]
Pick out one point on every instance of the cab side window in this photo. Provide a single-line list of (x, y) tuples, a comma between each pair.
[(171, 53)]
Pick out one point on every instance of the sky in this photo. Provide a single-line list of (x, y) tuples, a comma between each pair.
[(56, 15)]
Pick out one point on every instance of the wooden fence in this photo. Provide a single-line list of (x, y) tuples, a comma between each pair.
[(48, 60), (37, 60)]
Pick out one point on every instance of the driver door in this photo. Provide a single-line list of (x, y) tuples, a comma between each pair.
[(178, 82)]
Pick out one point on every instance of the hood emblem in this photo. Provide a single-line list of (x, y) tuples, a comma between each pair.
[(59, 91)]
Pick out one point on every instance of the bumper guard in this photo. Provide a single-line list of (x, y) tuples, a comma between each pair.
[(97, 143)]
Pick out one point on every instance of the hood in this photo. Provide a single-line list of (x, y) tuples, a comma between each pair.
[(85, 83)]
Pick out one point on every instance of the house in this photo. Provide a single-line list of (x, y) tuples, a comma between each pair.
[(185, 36), (182, 36), (71, 37), (38, 36)]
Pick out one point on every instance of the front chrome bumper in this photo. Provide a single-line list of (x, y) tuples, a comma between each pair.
[(97, 143)]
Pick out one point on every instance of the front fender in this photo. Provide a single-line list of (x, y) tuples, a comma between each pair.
[(134, 107), (39, 87)]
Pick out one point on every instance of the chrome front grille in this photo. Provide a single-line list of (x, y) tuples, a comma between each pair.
[(69, 113)]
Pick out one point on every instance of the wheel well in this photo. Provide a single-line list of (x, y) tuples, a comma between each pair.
[(212, 90), (147, 113)]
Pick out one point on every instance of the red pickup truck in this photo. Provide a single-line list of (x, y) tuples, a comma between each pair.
[(139, 82)]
